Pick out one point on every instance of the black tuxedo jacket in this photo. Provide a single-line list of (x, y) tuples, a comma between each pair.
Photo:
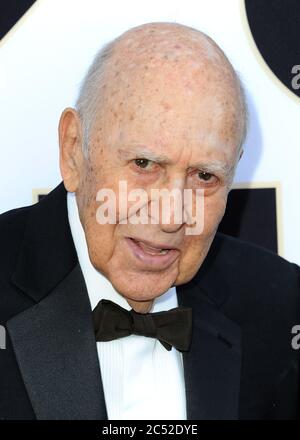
[(241, 364)]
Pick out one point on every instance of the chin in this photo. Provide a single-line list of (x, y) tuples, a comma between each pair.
[(144, 287)]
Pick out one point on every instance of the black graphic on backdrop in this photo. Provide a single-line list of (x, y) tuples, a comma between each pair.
[(10, 12), (275, 25)]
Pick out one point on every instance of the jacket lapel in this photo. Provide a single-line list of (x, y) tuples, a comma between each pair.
[(212, 366), (61, 373)]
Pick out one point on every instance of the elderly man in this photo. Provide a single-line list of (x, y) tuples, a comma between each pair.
[(139, 319)]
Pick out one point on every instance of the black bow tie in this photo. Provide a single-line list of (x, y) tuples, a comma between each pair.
[(171, 328)]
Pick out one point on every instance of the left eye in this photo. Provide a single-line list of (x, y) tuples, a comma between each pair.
[(203, 175)]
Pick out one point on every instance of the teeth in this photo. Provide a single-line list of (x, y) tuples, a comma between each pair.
[(151, 250)]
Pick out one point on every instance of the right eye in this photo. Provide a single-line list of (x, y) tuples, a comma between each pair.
[(142, 163)]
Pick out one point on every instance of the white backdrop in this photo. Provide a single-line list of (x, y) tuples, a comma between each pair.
[(43, 59)]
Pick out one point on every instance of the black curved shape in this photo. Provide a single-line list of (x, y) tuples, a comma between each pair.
[(10, 12), (275, 26)]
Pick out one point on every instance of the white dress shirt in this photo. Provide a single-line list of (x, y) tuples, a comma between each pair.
[(141, 379)]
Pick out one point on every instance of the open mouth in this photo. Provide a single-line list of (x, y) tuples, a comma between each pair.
[(151, 250), (152, 255)]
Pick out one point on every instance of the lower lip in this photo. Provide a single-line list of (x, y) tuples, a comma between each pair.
[(154, 261)]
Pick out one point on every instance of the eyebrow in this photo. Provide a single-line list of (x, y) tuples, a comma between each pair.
[(143, 152), (215, 167)]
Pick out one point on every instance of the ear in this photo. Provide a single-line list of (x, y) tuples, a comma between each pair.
[(70, 148)]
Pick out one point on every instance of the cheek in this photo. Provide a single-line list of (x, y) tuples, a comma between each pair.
[(86, 194), (196, 246), (196, 249), (101, 244), (214, 208)]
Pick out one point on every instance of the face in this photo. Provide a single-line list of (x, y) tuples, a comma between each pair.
[(164, 127)]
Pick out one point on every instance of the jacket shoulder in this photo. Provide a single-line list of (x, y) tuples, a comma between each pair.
[(12, 225), (14, 216), (260, 282), (249, 256)]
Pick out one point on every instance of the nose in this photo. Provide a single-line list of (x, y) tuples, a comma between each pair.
[(167, 206)]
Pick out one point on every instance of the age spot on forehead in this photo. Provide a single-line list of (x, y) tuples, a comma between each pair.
[(166, 105)]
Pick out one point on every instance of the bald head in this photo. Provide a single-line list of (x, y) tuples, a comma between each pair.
[(156, 57), (168, 41)]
